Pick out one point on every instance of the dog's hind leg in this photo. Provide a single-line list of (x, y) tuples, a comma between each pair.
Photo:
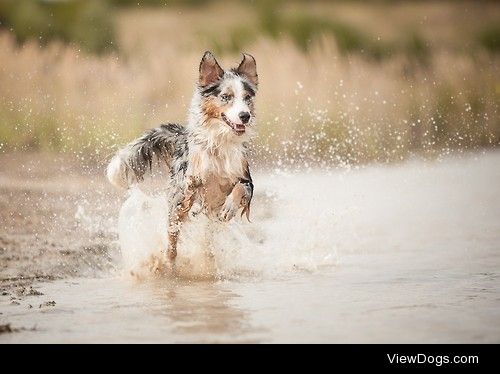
[(181, 204)]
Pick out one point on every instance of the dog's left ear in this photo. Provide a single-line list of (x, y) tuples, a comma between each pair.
[(248, 68)]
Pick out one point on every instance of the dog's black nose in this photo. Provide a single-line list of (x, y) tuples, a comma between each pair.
[(244, 116)]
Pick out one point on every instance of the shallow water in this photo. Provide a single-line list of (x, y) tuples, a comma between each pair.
[(405, 253)]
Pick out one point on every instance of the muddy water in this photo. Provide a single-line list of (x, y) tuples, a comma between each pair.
[(406, 253)]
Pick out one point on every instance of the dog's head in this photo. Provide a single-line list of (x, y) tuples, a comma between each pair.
[(227, 97)]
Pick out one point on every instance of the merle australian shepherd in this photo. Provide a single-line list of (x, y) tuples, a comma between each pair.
[(207, 158)]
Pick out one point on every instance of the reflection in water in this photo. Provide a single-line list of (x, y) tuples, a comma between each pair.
[(204, 310)]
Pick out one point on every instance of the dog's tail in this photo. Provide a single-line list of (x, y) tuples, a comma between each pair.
[(130, 164)]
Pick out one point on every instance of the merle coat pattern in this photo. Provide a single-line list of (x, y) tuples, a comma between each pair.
[(207, 158)]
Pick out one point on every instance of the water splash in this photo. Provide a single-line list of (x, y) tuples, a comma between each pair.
[(274, 245)]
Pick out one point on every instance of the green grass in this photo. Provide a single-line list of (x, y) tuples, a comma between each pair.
[(88, 23), (305, 30), (489, 38)]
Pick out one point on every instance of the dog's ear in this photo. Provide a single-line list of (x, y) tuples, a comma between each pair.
[(248, 68), (210, 70)]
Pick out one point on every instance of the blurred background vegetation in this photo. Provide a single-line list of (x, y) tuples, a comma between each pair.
[(86, 23), (341, 81), (91, 24)]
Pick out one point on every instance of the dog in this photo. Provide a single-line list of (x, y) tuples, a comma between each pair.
[(206, 159)]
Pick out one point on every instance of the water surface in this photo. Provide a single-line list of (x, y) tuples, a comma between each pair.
[(405, 253)]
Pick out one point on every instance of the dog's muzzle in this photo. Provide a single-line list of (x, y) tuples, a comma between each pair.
[(238, 128)]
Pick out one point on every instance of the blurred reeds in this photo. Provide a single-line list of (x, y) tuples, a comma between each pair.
[(340, 83)]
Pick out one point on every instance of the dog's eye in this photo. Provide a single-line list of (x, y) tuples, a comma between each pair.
[(225, 97), (248, 98)]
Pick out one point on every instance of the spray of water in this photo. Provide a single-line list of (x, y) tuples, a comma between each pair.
[(273, 245)]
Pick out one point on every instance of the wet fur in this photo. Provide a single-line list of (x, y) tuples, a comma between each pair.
[(207, 159)]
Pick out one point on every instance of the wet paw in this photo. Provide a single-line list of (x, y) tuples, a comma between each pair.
[(227, 211)]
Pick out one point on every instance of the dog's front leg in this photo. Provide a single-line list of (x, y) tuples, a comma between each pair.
[(179, 209), (240, 197)]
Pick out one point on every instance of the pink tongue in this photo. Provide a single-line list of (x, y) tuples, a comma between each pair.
[(240, 127)]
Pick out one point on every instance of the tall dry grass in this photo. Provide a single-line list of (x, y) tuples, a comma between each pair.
[(316, 107)]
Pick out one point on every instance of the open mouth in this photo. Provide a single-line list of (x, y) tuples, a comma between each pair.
[(238, 128)]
